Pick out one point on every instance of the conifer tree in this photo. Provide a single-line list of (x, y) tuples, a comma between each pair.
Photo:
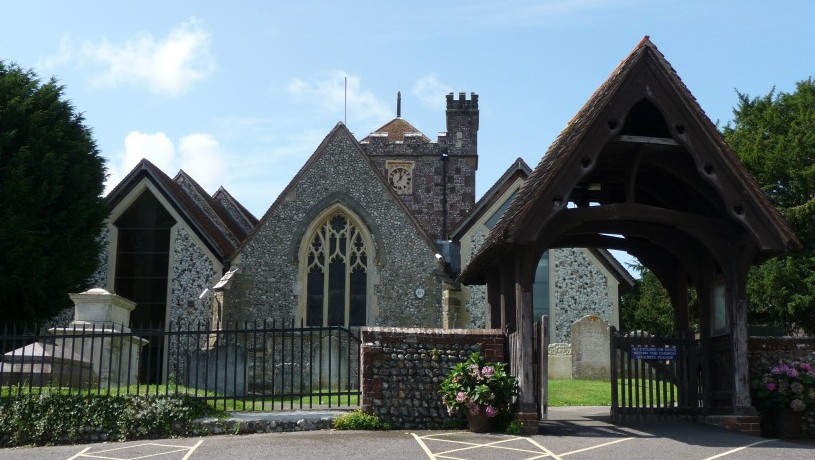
[(51, 209), (775, 137)]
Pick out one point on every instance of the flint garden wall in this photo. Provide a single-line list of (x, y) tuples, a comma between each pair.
[(403, 368)]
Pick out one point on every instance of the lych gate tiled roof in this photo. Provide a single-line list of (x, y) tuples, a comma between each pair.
[(396, 130), (519, 169), (565, 147), (203, 214)]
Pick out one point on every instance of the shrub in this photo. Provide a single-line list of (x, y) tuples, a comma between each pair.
[(358, 420), (787, 386), (54, 418), (475, 385)]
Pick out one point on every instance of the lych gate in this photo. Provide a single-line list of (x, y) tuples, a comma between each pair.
[(642, 169)]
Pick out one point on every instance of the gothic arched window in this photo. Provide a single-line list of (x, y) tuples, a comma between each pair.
[(336, 272)]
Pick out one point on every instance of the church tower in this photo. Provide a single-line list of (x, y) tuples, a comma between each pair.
[(436, 180)]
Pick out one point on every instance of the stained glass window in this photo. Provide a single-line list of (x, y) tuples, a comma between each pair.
[(337, 274)]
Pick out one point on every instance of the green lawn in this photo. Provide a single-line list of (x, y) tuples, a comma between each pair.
[(215, 400), (579, 393), (561, 393), (598, 393)]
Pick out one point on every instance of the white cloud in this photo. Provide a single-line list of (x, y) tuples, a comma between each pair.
[(67, 53), (431, 91), (327, 93), (166, 65), (199, 155), (158, 148)]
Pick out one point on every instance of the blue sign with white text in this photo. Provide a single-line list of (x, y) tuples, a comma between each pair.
[(657, 353)]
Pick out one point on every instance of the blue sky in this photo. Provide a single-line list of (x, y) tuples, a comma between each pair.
[(240, 93)]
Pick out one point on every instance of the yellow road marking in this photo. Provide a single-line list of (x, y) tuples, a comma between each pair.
[(471, 445), (549, 452), (189, 454), (175, 448), (493, 445), (135, 458), (738, 449), (595, 447), (79, 454), (424, 446), (543, 450)]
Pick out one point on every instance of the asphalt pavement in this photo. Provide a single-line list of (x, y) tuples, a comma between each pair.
[(570, 433)]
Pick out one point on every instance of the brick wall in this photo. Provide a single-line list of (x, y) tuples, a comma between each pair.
[(403, 368)]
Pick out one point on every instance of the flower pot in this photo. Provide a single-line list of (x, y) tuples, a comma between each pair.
[(480, 423), (787, 423)]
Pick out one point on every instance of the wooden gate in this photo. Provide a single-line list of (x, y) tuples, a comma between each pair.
[(540, 362), (654, 377)]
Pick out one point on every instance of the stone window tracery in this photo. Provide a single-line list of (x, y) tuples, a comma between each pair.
[(336, 273)]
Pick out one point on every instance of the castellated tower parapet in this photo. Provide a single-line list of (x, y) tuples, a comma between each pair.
[(441, 189), (462, 124)]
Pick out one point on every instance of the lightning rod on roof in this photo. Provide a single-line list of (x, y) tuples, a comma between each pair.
[(345, 109)]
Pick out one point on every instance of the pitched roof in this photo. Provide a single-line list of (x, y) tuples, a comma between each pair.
[(566, 147), (243, 216), (214, 209), (518, 169), (396, 130), (199, 211), (614, 266), (340, 130)]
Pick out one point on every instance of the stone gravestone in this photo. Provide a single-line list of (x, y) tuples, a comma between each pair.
[(560, 361), (590, 349), (222, 369)]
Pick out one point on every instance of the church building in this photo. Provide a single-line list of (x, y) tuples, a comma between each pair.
[(368, 232)]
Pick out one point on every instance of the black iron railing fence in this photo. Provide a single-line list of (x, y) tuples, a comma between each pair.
[(251, 366)]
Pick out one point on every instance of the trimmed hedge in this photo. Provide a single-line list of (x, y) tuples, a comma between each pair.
[(53, 418)]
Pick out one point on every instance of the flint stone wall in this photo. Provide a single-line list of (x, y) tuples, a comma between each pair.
[(268, 285), (476, 306), (403, 368), (581, 289), (763, 353)]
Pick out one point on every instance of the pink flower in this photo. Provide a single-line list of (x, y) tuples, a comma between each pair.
[(491, 412), (474, 370), (771, 386), (461, 397), (792, 373), (488, 371), (473, 408)]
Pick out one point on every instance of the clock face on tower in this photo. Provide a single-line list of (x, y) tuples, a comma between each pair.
[(401, 179)]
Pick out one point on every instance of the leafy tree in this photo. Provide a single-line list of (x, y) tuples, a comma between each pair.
[(775, 137), (646, 307), (51, 181)]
